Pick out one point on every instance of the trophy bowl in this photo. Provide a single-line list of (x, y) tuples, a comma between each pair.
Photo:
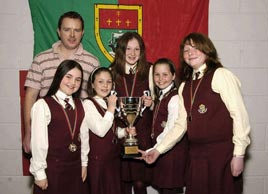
[(129, 110)]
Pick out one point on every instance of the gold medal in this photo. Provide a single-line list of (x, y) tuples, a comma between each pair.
[(72, 147)]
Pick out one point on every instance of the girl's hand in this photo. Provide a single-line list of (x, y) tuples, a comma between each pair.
[(143, 155), (131, 131), (43, 184), (151, 156), (84, 173), (147, 100), (237, 166)]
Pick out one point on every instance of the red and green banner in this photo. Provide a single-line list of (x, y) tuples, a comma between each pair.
[(162, 24), (111, 21)]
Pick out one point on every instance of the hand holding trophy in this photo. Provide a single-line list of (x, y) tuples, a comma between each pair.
[(129, 110)]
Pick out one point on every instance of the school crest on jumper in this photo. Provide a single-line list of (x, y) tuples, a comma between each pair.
[(111, 21)]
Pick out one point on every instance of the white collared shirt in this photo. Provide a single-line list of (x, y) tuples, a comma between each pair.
[(60, 97), (164, 91), (93, 120), (200, 70), (128, 67)]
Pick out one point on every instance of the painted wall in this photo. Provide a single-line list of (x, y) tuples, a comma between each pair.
[(239, 29)]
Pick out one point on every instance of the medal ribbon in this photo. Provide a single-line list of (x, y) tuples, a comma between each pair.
[(193, 96), (133, 85), (71, 130), (154, 118)]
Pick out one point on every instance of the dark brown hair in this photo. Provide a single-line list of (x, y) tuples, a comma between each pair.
[(92, 77), (62, 70), (72, 15), (172, 69)]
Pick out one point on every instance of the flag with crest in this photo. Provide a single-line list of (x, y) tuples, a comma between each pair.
[(162, 24)]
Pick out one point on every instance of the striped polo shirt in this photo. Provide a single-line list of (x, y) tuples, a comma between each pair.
[(44, 66)]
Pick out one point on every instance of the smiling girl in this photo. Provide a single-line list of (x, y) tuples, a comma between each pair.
[(55, 142), (98, 134), (168, 171), (212, 111), (131, 71)]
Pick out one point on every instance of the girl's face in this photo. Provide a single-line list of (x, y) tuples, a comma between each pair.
[(102, 84), (133, 51), (163, 76), (193, 57), (71, 81)]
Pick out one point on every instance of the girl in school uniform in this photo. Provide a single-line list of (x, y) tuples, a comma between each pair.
[(213, 113), (168, 171), (131, 71), (56, 147), (99, 136)]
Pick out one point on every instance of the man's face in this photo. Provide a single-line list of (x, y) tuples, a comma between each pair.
[(70, 33)]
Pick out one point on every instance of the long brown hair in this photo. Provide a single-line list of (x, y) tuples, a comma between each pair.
[(203, 44), (118, 65)]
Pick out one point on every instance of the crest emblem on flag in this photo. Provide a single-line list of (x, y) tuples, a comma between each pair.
[(111, 21)]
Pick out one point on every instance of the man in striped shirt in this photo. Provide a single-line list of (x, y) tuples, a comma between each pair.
[(40, 75)]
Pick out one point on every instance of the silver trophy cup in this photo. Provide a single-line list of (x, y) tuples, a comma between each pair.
[(129, 110)]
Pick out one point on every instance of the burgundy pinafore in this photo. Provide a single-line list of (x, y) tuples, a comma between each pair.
[(63, 166), (132, 169), (169, 169), (104, 163), (210, 136)]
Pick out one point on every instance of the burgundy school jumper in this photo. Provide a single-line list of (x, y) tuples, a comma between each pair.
[(169, 169), (210, 136), (133, 169), (63, 166), (103, 162)]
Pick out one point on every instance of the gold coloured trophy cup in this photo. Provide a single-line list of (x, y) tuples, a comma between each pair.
[(130, 108)]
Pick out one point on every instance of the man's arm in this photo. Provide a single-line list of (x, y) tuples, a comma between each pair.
[(30, 98)]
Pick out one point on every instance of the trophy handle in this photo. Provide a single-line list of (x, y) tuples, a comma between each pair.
[(118, 109), (142, 109), (145, 93)]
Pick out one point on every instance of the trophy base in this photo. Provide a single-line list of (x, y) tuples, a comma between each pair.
[(130, 152)]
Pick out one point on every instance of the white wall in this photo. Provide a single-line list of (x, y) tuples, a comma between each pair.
[(239, 29), (16, 42)]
